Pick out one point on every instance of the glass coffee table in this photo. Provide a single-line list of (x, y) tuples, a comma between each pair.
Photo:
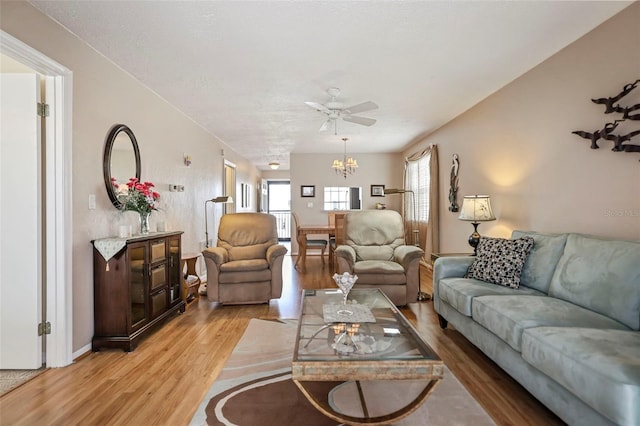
[(365, 340)]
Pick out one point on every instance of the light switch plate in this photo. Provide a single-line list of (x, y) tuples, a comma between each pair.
[(310, 205), (92, 201)]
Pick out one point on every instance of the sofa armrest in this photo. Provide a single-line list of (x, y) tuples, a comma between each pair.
[(213, 258), (275, 251), (451, 267), (448, 267), (346, 257), (275, 257), (217, 255), (404, 255)]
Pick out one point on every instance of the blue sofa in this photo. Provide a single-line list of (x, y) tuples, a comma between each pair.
[(569, 334)]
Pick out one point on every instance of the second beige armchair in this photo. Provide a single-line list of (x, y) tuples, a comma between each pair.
[(374, 249), (246, 264)]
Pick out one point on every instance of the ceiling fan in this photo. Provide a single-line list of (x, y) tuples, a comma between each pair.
[(335, 109)]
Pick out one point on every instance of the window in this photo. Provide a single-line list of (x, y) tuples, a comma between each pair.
[(418, 180), (342, 198)]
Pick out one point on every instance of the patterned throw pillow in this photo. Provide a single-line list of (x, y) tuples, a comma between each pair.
[(500, 261)]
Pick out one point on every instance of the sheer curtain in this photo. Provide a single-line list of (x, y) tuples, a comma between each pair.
[(421, 177)]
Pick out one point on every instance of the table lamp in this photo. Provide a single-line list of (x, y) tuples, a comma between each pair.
[(476, 208), (224, 199)]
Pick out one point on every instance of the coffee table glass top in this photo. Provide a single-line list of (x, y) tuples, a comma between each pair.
[(386, 335)]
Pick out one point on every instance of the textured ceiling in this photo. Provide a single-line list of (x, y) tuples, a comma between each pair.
[(243, 70)]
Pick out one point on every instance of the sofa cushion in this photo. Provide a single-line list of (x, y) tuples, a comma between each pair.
[(508, 316), (601, 367), (459, 292), (500, 261), (600, 275), (244, 265), (244, 271), (379, 272), (542, 260)]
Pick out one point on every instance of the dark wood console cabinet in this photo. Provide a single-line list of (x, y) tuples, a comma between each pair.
[(136, 289)]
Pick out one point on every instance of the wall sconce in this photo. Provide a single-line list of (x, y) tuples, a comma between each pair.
[(187, 160)]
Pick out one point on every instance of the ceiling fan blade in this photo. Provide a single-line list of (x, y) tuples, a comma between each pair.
[(365, 106), (325, 125), (359, 120), (318, 107)]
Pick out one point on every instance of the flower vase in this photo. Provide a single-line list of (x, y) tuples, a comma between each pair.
[(144, 223)]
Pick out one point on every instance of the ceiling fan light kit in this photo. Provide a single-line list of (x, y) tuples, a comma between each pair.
[(335, 109)]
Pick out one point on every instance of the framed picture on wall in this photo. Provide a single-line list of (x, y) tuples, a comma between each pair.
[(307, 190), (377, 190)]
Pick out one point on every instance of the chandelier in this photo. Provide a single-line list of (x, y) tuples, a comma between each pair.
[(346, 166)]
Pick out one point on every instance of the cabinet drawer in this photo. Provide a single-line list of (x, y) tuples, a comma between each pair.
[(158, 303), (158, 251), (158, 276)]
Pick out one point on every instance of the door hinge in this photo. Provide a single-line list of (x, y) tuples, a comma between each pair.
[(43, 109), (44, 328)]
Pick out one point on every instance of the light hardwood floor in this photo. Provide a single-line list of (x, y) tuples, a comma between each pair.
[(163, 381)]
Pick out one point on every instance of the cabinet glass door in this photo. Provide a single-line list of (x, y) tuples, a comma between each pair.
[(175, 278), (138, 280)]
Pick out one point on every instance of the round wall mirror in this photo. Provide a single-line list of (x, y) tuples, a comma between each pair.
[(121, 159)]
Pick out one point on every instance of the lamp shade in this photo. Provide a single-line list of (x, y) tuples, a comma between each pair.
[(476, 208), (226, 199)]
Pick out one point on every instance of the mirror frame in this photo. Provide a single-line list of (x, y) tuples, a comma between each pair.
[(106, 159)]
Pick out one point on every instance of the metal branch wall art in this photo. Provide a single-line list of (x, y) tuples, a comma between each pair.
[(621, 142)]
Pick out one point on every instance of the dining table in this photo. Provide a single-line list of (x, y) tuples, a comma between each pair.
[(301, 237)]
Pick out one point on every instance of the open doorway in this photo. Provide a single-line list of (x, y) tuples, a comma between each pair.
[(279, 205), (53, 174)]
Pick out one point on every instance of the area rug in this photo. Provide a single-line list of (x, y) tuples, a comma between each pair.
[(255, 388), (11, 379)]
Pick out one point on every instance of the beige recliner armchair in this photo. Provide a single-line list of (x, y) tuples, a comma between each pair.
[(376, 252), (246, 265)]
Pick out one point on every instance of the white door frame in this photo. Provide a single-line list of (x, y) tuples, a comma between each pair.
[(58, 215)]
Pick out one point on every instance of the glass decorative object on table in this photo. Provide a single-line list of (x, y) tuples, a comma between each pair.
[(144, 222), (345, 283)]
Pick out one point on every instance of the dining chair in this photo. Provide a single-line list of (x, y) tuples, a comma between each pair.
[(307, 244)]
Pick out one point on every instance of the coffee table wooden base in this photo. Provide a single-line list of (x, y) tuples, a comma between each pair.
[(328, 411)]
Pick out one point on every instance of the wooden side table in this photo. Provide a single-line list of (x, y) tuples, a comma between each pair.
[(435, 256), (190, 279)]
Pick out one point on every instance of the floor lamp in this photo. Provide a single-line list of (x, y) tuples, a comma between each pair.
[(223, 199), (422, 296)]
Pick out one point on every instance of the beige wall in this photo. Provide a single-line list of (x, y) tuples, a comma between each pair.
[(315, 169), (517, 145), (102, 96), (276, 174)]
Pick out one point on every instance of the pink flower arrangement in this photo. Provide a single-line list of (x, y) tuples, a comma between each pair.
[(136, 196)]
